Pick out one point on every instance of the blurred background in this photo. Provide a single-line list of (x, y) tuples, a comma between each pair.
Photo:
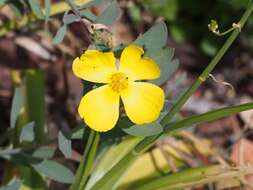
[(27, 44)]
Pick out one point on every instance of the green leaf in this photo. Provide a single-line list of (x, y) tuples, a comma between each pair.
[(92, 3), (154, 38), (44, 152), (88, 14), (163, 57), (70, 18), (14, 184), (106, 163), (17, 103), (64, 144), (36, 8), (145, 130), (47, 10), (150, 129), (54, 171), (27, 133), (110, 14), (31, 179), (60, 34), (33, 90), (154, 42), (35, 102), (77, 133)]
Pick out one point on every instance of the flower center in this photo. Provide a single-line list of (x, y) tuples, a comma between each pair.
[(119, 82)]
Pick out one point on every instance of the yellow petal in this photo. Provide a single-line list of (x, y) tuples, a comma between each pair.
[(95, 66), (100, 108), (137, 67), (143, 102)]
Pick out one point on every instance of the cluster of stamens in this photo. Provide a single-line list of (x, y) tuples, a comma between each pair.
[(119, 82)]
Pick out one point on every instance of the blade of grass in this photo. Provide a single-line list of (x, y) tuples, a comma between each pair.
[(35, 103), (32, 96), (194, 177)]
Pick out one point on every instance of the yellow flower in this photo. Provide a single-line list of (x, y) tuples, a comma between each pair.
[(100, 107)]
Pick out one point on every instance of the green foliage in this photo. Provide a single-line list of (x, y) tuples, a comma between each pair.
[(17, 104), (77, 132), (70, 18), (27, 133), (93, 3), (88, 14), (64, 143), (35, 6), (60, 34), (168, 67), (35, 103), (47, 10), (14, 184), (116, 151), (146, 130), (43, 152), (154, 41), (54, 171), (109, 15)]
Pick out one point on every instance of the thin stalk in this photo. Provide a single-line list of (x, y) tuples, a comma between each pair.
[(118, 170), (86, 162)]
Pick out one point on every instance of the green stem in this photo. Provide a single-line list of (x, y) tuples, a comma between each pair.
[(85, 165), (118, 170)]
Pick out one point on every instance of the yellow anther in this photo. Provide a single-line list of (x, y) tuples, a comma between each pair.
[(119, 82)]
